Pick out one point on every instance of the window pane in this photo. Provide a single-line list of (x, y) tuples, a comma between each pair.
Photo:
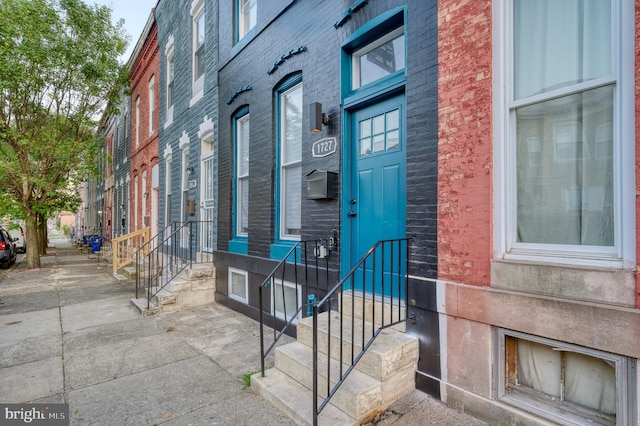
[(381, 61), (291, 300), (248, 16), (558, 43), (292, 126), (365, 146), (378, 143), (590, 382), (378, 124), (393, 139), (238, 285), (393, 119), (539, 368), (243, 206), (199, 62), (292, 200), (565, 170), (243, 146), (365, 128)]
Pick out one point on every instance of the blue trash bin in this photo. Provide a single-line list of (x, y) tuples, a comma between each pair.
[(84, 240), (96, 243)]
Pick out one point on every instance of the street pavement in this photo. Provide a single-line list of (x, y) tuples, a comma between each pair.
[(68, 334)]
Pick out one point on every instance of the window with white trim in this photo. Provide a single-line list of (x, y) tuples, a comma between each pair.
[(247, 13), (565, 171), (238, 282), (138, 121), (198, 48), (152, 103), (168, 181), (565, 383), (289, 100), (286, 300), (170, 83), (242, 175)]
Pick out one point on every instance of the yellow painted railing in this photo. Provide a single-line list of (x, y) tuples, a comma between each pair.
[(125, 247)]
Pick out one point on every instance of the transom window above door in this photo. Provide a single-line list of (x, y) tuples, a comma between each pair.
[(381, 58)]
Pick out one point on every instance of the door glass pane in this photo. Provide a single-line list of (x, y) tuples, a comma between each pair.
[(378, 124), (292, 126), (393, 139), (378, 143), (365, 128), (365, 146), (393, 119)]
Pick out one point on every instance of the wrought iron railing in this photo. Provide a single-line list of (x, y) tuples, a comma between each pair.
[(174, 249), (380, 275), (305, 268)]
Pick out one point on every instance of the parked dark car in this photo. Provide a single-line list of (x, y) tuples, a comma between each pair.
[(7, 249)]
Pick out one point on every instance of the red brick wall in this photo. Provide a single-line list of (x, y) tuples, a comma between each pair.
[(144, 156), (465, 150), (637, 68)]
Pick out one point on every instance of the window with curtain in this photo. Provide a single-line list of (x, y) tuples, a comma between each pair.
[(290, 148), (242, 175), (563, 117), (246, 16)]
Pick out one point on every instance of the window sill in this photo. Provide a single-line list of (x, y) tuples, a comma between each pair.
[(194, 100), (239, 246)]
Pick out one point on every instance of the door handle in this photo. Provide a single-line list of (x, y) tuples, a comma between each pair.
[(352, 213)]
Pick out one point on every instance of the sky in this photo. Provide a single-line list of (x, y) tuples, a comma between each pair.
[(135, 14)]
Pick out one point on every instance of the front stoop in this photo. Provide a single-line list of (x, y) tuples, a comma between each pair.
[(384, 374), (192, 287)]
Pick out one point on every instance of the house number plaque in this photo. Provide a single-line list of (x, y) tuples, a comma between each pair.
[(324, 147)]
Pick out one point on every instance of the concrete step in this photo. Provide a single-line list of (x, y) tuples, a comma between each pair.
[(164, 297), (360, 395), (120, 278), (197, 271), (390, 352), (144, 308), (295, 400), (373, 309), (129, 272)]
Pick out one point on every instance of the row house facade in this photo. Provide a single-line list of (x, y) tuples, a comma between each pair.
[(144, 69), (188, 44), (500, 136)]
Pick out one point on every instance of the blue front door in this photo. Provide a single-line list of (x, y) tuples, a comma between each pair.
[(377, 204)]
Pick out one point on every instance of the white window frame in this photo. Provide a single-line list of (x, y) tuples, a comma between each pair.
[(197, 83), (622, 255), (284, 166), (243, 27), (241, 179), (230, 293), (137, 121), (550, 410), (170, 81), (152, 103), (136, 194), (145, 194), (167, 201), (277, 284)]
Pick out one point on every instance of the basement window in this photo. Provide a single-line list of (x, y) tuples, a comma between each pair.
[(286, 300), (238, 285), (564, 383)]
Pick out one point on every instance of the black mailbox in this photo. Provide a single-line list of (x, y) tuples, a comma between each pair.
[(321, 185)]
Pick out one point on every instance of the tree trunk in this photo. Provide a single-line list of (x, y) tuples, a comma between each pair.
[(33, 250), (42, 234)]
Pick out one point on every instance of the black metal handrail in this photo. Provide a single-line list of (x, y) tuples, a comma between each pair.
[(383, 270), (301, 266), (167, 254)]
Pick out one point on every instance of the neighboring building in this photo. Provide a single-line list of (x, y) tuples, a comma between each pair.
[(537, 230), (121, 164), (145, 82), (188, 43)]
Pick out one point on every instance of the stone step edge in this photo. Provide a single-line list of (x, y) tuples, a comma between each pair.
[(296, 360), (294, 400)]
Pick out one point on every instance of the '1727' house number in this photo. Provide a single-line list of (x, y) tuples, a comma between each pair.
[(324, 147)]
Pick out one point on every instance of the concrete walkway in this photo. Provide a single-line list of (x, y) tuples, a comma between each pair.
[(69, 335)]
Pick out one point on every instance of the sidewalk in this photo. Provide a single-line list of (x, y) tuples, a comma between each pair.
[(69, 335)]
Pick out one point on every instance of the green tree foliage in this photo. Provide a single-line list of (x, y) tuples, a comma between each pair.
[(59, 72)]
